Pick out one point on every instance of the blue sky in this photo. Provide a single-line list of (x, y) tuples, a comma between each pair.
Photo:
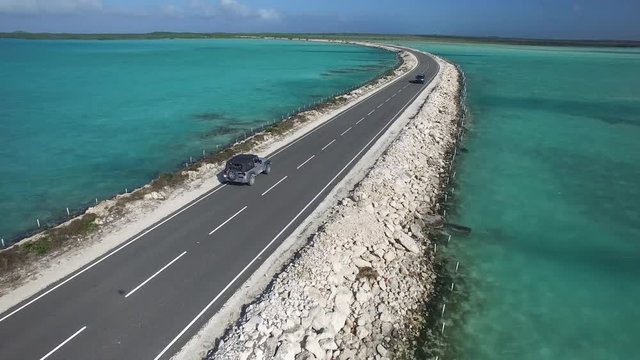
[(567, 19)]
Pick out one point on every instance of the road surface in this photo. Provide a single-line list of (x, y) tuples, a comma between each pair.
[(147, 297)]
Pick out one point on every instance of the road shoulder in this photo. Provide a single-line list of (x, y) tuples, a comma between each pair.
[(117, 224), (334, 282)]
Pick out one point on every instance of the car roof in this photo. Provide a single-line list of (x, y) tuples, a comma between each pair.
[(242, 158)]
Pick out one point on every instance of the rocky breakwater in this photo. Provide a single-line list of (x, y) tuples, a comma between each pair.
[(357, 290)]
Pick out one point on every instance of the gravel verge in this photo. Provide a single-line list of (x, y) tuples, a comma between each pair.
[(357, 286)]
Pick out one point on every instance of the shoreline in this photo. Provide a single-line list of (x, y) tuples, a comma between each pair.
[(431, 339), (606, 43), (339, 296), (192, 163), (104, 227)]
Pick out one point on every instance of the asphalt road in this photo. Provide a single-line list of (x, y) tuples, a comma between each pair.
[(146, 298)]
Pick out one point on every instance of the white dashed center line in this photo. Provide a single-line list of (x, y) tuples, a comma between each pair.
[(346, 131), (331, 142), (359, 121), (306, 161), (379, 106), (154, 275), (233, 281), (229, 219), (371, 112), (64, 342), (274, 185)]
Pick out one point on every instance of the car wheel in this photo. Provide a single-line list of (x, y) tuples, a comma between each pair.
[(252, 179), (267, 170)]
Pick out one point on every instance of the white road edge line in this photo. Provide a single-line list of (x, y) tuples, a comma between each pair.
[(306, 161), (332, 119), (346, 131), (274, 185), (154, 275), (226, 221), (186, 328), (329, 144), (183, 210), (359, 121), (64, 342), (371, 112), (112, 253)]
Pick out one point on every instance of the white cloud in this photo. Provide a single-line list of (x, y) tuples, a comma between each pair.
[(236, 8), (172, 11), (214, 9), (220, 9), (49, 6), (268, 14), (202, 8)]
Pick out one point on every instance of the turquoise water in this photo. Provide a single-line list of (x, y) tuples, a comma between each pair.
[(81, 120), (551, 188)]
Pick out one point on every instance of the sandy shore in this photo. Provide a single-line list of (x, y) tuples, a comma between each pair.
[(121, 218), (357, 286)]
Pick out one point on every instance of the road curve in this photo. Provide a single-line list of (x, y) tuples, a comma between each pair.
[(146, 298)]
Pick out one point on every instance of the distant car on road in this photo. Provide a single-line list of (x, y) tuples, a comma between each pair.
[(244, 168), (420, 79)]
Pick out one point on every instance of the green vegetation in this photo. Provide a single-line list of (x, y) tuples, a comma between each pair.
[(326, 36), (52, 239), (38, 247), (56, 238)]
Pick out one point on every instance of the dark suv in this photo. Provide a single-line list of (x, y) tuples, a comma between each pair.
[(420, 79), (244, 168)]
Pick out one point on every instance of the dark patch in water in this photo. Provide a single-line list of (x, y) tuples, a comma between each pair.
[(220, 131), (211, 116), (465, 230), (433, 341), (610, 112)]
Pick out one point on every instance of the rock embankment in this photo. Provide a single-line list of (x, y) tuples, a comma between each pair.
[(355, 290), (113, 221)]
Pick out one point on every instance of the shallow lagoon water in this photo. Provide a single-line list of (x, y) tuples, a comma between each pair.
[(550, 186), (81, 120)]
